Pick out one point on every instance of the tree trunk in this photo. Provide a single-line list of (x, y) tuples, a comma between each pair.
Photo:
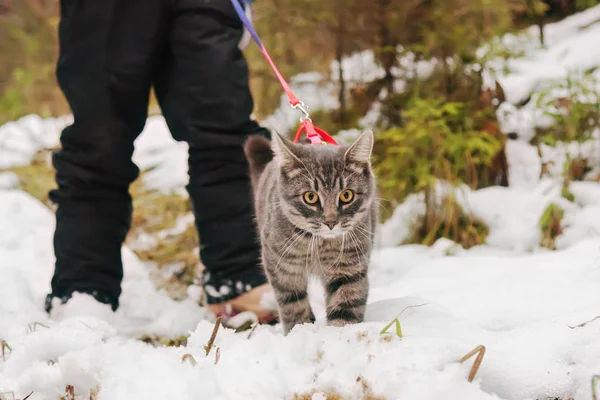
[(539, 19), (339, 55), (387, 58)]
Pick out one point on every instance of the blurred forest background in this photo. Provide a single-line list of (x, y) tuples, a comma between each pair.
[(303, 36), (442, 126)]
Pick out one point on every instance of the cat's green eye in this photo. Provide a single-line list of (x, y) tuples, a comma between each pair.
[(311, 198), (346, 196)]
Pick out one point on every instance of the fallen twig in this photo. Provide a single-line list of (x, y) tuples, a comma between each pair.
[(584, 323), (188, 357), (217, 355), (211, 341), (480, 350), (595, 380)]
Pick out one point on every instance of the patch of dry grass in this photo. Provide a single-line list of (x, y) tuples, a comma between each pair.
[(37, 178), (332, 394), (163, 341), (449, 220)]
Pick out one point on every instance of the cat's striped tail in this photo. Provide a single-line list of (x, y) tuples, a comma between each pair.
[(259, 154)]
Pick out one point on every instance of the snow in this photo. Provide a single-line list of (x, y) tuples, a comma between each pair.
[(26, 266), (163, 159), (518, 305), (522, 302), (8, 180)]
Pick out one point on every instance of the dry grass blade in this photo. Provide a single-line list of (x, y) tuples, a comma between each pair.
[(480, 351), (188, 357), (595, 380), (252, 330), (3, 347), (244, 327), (33, 326), (407, 307), (94, 393), (217, 355), (211, 341)]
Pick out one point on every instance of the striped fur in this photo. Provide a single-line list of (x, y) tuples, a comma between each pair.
[(295, 240)]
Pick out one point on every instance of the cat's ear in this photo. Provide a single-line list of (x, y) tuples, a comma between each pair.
[(360, 151), (282, 150)]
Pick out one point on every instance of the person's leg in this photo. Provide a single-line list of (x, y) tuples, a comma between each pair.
[(204, 93), (107, 50)]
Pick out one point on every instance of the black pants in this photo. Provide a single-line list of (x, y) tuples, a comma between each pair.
[(111, 53)]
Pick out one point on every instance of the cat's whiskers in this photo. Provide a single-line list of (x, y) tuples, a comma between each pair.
[(378, 202), (364, 232), (357, 247), (294, 239)]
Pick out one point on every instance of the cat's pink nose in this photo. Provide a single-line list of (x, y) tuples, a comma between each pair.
[(331, 224)]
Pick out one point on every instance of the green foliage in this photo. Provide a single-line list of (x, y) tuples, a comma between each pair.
[(576, 112), (550, 225), (437, 141), (567, 194), (28, 51)]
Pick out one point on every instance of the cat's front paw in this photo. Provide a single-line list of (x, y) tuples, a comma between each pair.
[(289, 324), (339, 322)]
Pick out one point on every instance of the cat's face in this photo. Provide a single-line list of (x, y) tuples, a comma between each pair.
[(325, 190)]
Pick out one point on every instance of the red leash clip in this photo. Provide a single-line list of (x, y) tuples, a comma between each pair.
[(314, 134)]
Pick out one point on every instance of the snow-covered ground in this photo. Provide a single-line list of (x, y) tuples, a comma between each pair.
[(521, 302), (519, 306)]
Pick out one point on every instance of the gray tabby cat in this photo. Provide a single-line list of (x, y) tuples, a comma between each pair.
[(316, 215)]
